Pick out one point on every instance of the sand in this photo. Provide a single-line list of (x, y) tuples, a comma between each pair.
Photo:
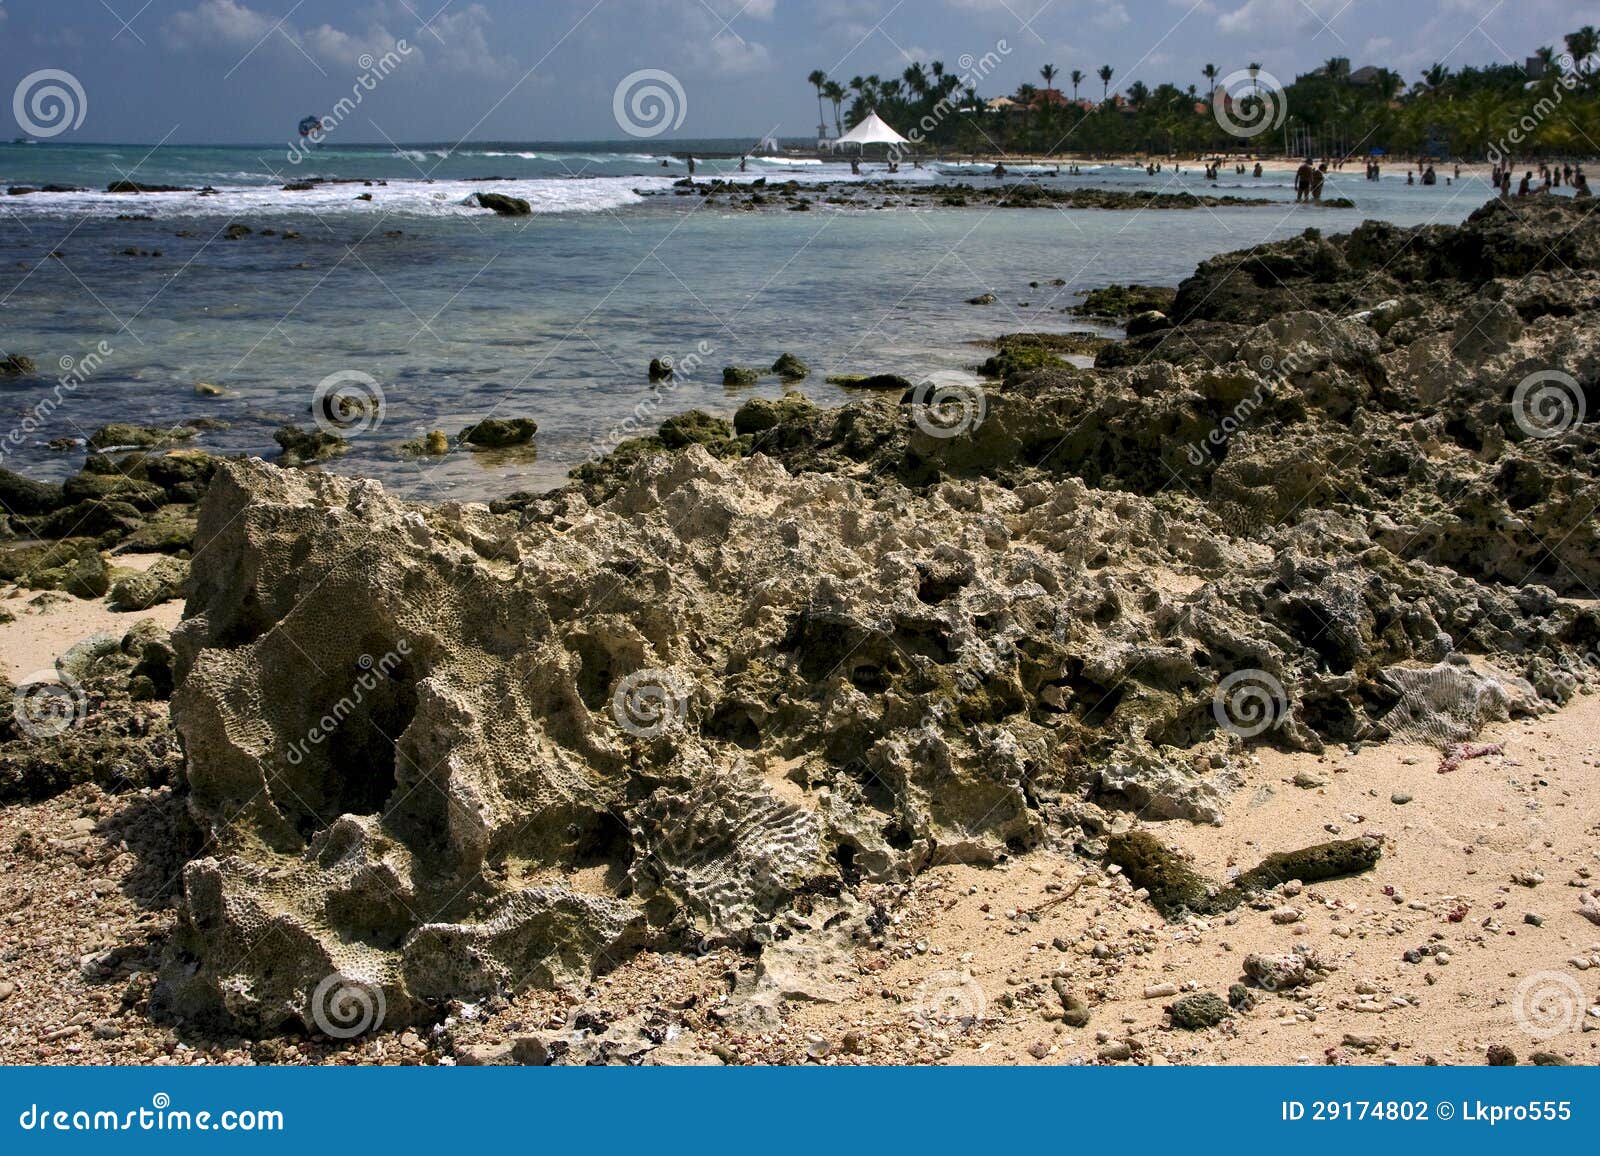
[(965, 972), (45, 625)]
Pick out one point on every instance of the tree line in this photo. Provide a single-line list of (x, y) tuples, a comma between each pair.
[(1550, 109)]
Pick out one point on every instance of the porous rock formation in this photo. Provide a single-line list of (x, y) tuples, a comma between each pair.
[(446, 752)]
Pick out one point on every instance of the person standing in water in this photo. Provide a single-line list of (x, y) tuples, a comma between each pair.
[(1302, 182)]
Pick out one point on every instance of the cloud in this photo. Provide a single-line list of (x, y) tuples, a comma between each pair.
[(217, 24), (1277, 19), (456, 41)]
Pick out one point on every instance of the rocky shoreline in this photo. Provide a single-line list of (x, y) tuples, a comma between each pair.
[(879, 194), (736, 694)]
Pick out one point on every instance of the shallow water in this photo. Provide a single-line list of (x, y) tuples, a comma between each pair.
[(465, 315)]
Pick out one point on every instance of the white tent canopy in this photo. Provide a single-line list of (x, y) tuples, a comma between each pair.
[(873, 130)]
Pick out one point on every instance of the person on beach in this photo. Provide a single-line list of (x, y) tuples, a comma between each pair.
[(1580, 186), (1525, 189), (691, 170), (742, 164), (1319, 176), (855, 166), (999, 172), (1258, 170)]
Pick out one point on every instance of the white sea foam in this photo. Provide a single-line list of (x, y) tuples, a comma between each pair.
[(398, 197)]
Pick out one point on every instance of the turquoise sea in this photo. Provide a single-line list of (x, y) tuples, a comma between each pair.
[(458, 315)]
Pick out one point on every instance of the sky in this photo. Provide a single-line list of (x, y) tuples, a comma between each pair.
[(244, 71)]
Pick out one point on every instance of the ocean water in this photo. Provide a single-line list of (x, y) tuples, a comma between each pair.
[(458, 315)]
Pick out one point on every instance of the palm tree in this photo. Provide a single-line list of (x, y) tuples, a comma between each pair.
[(1435, 76), (1106, 73), (819, 80), (1583, 43), (1049, 74), (1338, 69), (835, 92), (1077, 78), (1211, 72), (1388, 84), (1138, 94), (1255, 77)]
